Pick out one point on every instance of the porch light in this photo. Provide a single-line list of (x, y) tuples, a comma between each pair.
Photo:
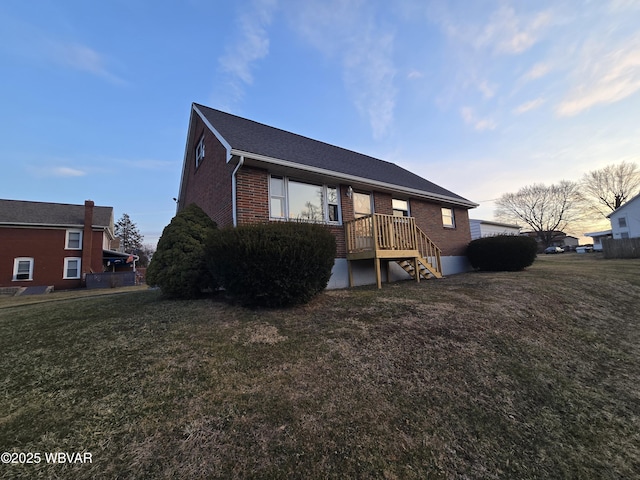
[(350, 191)]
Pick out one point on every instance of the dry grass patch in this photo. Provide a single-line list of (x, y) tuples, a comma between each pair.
[(483, 375)]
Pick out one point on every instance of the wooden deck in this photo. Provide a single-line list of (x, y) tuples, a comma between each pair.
[(390, 238)]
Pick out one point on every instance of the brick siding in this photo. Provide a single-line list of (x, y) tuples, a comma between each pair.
[(47, 248), (452, 241), (209, 185)]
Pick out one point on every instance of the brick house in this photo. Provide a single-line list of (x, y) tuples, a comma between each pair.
[(52, 244), (240, 171)]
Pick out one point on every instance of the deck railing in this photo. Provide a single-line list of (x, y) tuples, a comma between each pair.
[(388, 232)]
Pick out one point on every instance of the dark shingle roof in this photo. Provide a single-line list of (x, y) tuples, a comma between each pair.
[(252, 137), (51, 214)]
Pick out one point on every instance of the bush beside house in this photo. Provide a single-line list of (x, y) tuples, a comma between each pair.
[(178, 267), (502, 253), (272, 264)]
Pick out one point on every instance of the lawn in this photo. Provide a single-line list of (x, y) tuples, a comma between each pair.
[(533, 374)]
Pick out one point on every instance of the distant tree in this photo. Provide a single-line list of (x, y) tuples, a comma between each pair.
[(127, 232), (546, 209), (145, 253), (608, 188)]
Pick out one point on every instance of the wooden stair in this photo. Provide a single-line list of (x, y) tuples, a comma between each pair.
[(425, 269), (387, 238)]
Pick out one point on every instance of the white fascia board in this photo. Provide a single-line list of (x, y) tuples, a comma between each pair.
[(49, 226), (598, 234), (218, 135), (353, 178)]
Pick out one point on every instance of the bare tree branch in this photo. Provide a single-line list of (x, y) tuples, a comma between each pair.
[(546, 209), (608, 188)]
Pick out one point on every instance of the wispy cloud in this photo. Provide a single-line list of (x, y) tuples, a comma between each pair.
[(81, 57), (36, 45), (58, 172), (603, 76), (528, 106), (538, 70), (487, 90), (470, 118), (251, 46), (349, 30), (504, 32), (509, 33)]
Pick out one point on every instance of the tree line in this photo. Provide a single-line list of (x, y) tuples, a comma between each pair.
[(547, 209)]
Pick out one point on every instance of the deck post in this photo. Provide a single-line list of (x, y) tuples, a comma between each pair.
[(350, 269), (378, 279), (416, 265)]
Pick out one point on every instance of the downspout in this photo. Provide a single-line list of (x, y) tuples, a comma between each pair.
[(234, 191)]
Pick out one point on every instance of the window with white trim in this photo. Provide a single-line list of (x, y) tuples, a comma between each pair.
[(400, 207), (294, 200), (71, 268), (448, 219), (22, 269), (200, 151), (73, 240)]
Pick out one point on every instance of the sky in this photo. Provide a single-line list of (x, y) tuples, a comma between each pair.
[(481, 97)]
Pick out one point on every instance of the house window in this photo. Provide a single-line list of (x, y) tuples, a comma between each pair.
[(22, 269), (622, 222), (400, 208), (362, 204), (200, 151), (290, 199), (448, 219), (73, 240), (624, 234), (71, 268)]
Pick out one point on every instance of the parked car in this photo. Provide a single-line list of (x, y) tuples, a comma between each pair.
[(553, 250)]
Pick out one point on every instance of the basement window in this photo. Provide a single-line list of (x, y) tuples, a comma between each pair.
[(200, 151), (294, 200), (22, 269)]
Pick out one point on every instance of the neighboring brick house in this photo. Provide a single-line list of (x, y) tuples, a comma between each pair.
[(240, 172), (52, 244)]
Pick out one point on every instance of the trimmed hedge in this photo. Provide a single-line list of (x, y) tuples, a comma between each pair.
[(273, 264), (178, 266), (502, 253)]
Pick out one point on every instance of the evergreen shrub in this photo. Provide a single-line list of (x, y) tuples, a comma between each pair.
[(502, 253), (272, 264), (178, 266)]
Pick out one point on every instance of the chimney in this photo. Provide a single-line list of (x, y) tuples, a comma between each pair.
[(87, 239)]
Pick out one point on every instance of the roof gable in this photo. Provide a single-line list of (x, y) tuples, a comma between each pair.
[(247, 137), (18, 212), (625, 205)]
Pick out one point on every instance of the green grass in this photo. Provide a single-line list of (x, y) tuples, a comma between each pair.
[(534, 374)]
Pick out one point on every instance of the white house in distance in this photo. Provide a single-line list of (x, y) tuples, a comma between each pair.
[(625, 223), (598, 237), (486, 228), (625, 220)]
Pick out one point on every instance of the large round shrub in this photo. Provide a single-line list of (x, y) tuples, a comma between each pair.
[(178, 267), (272, 264), (502, 253)]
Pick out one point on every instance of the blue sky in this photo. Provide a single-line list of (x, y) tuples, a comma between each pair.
[(481, 97)]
